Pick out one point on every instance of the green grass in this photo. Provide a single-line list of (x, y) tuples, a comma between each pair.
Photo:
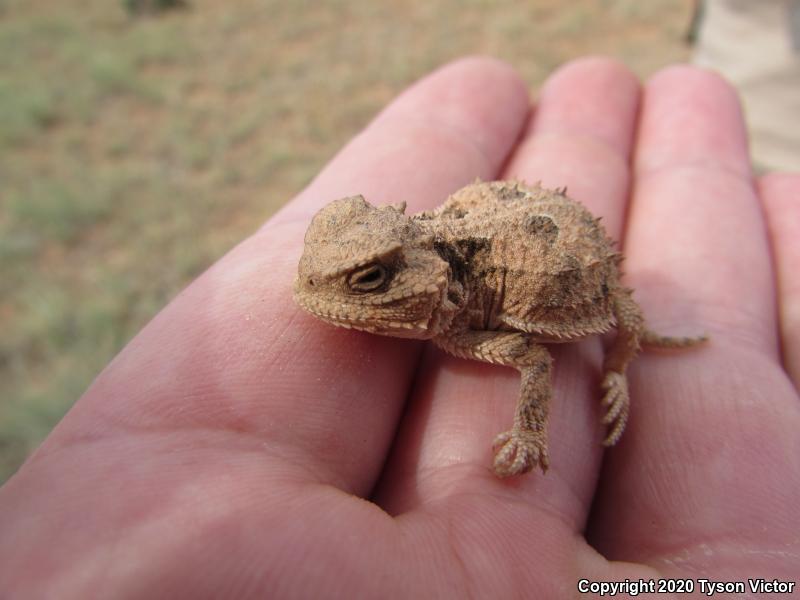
[(58, 211), (137, 150), (136, 7)]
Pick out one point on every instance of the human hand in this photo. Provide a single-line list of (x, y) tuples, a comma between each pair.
[(238, 447)]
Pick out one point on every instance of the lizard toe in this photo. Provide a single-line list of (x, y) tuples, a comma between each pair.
[(518, 452)]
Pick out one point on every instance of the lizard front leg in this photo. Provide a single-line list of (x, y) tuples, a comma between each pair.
[(524, 446)]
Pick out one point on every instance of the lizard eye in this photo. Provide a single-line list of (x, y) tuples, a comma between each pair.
[(367, 279)]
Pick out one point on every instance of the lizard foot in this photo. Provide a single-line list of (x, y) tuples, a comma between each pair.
[(518, 452), (617, 401)]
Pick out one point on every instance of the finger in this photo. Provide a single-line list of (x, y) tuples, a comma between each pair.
[(780, 195), (445, 445), (233, 359), (696, 236), (581, 137), (453, 126), (705, 419)]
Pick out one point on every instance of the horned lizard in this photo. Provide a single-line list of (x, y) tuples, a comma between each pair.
[(494, 273)]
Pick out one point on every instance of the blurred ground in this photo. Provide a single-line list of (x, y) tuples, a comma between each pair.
[(756, 46), (136, 151)]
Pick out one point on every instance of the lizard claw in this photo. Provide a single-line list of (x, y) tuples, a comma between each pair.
[(617, 401), (518, 452)]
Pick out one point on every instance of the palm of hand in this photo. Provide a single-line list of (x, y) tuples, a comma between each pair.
[(228, 449)]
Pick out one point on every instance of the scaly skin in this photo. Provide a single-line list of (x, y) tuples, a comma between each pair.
[(497, 270)]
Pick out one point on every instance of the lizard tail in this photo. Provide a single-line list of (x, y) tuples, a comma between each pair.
[(651, 338)]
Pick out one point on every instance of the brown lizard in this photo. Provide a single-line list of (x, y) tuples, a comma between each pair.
[(496, 271)]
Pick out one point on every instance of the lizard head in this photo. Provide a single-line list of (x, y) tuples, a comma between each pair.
[(375, 269)]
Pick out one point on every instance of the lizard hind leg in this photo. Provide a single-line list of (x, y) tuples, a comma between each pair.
[(616, 398), (631, 336)]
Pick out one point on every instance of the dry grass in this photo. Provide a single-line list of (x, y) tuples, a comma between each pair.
[(136, 151)]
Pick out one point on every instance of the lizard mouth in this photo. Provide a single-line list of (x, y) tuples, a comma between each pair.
[(413, 317)]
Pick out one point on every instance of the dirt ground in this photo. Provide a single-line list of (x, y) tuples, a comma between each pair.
[(137, 150), (756, 46)]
